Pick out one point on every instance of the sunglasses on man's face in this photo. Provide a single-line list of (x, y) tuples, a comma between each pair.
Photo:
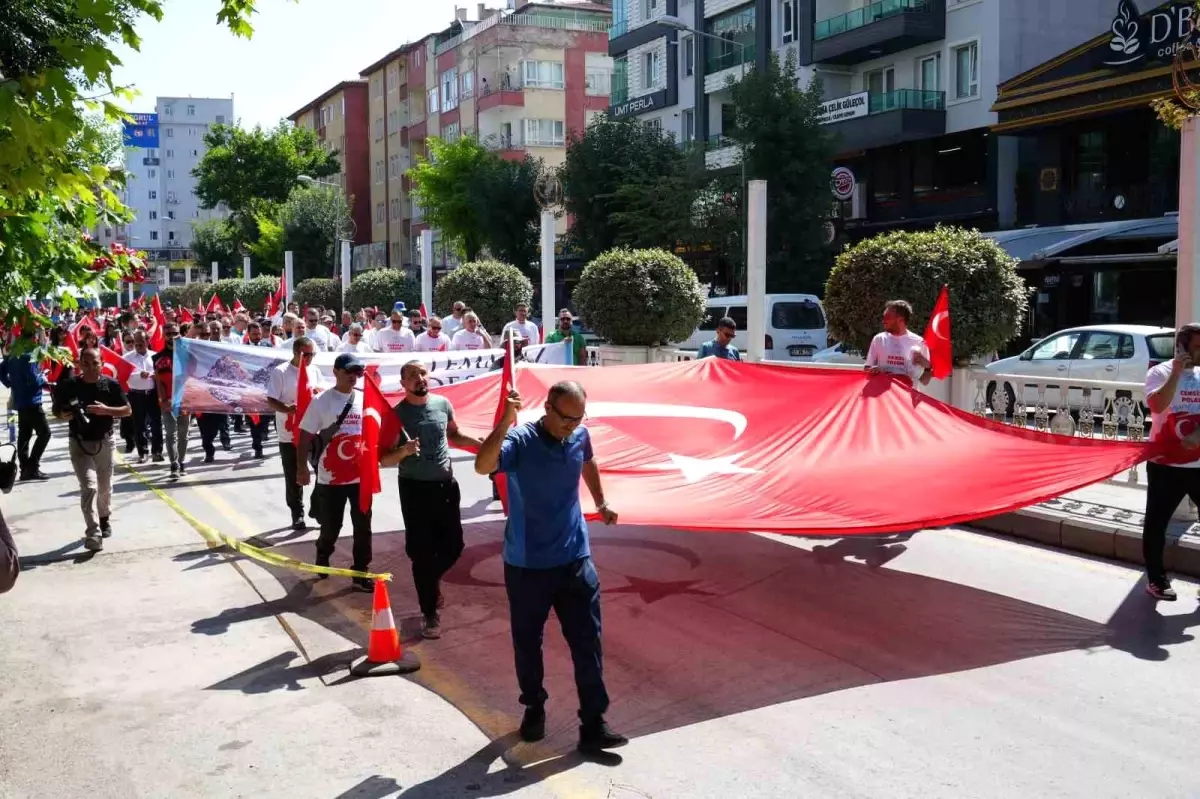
[(435, 327), (307, 354)]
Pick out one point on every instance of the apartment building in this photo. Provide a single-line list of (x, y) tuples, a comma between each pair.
[(161, 150), (338, 117)]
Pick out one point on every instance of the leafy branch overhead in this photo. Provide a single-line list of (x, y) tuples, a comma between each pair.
[(56, 181)]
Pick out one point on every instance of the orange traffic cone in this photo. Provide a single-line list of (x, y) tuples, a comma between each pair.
[(384, 653)]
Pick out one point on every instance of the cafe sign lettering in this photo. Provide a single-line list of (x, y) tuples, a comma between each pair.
[(1155, 36)]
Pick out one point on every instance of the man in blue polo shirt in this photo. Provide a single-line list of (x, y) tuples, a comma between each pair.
[(547, 560)]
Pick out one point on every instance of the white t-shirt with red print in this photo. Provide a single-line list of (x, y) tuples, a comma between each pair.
[(1182, 416), (339, 463), (894, 354), (281, 387)]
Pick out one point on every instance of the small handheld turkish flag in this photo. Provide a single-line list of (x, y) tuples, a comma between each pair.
[(214, 305), (1176, 427), (508, 382), (303, 399), (937, 337), (380, 428), (115, 366)]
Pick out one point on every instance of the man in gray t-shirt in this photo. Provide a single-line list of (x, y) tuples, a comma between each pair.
[(429, 494)]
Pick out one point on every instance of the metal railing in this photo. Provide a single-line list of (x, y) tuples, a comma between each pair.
[(906, 98), (589, 24), (859, 17), (736, 56), (619, 29)]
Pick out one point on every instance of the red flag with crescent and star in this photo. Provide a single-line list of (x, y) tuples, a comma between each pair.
[(115, 366), (303, 400), (1176, 427), (185, 315), (214, 305), (937, 337), (727, 445), (379, 432)]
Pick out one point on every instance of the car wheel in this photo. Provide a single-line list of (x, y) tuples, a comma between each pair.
[(1010, 399)]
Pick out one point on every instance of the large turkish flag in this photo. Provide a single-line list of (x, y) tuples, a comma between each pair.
[(724, 445)]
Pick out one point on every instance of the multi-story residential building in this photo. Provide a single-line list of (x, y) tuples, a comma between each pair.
[(161, 150), (339, 119)]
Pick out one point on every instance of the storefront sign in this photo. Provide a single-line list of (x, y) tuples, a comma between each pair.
[(142, 131), (640, 105), (1156, 36), (841, 183), (842, 108)]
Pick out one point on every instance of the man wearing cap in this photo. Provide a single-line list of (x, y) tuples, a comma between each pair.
[(332, 428)]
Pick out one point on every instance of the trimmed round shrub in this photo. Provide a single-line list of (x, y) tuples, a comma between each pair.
[(323, 291), (640, 297), (380, 288), (988, 299), (489, 288), (180, 296)]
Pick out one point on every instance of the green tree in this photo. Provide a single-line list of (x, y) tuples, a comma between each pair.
[(313, 221), (783, 143), (56, 68), (489, 288), (625, 184), (508, 209), (445, 184), (217, 240), (267, 251), (322, 291), (640, 297), (249, 169)]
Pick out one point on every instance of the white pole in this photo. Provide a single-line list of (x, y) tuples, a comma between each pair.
[(548, 298), (345, 273), (131, 292), (187, 274), (427, 269), (1187, 286), (756, 269), (215, 273), (287, 276), (245, 267)]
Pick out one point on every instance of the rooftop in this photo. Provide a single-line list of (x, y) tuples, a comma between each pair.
[(321, 98)]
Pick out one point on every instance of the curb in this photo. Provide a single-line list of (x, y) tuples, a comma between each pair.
[(1097, 532)]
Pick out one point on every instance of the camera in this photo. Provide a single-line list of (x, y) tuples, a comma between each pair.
[(79, 414)]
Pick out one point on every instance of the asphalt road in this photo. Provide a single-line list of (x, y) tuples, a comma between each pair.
[(946, 664)]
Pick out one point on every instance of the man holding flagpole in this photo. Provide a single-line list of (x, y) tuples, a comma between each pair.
[(288, 395), (897, 350)]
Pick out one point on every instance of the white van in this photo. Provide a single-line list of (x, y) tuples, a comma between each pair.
[(796, 325)]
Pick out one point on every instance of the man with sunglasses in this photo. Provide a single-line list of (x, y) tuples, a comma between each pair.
[(175, 428), (416, 323), (432, 339), (334, 423), (547, 557), (721, 345), (354, 340), (397, 337), (566, 332), (454, 322), (281, 397)]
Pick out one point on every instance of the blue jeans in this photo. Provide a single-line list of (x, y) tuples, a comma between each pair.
[(573, 591)]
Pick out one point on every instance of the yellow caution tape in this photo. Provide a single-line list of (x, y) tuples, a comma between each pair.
[(216, 539)]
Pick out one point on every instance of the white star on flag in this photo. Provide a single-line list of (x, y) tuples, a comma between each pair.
[(697, 469)]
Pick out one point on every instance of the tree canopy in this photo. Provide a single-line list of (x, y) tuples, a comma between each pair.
[(216, 240), (313, 221), (782, 142), (56, 67)]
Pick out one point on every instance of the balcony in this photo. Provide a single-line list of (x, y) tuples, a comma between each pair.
[(577, 21), (721, 152), (878, 29), (891, 118), (622, 37), (500, 89)]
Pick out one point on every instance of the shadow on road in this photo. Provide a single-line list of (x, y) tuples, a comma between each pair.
[(1137, 626), (280, 673)]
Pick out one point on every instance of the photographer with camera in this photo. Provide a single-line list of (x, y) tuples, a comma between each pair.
[(90, 401)]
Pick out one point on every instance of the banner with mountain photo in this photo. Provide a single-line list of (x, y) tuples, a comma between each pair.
[(212, 377)]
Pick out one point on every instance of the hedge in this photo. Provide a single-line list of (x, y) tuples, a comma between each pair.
[(380, 288), (640, 297), (322, 291), (489, 288)]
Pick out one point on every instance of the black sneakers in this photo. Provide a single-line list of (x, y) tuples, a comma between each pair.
[(92, 541), (174, 469), (105, 527), (298, 523), (36, 474), (595, 737), (533, 724), (432, 628), (1161, 590), (362, 584)]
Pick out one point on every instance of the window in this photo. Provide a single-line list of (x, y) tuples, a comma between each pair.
[(450, 89), (195, 153), (620, 80), (153, 214), (416, 59), (170, 214), (689, 124), (170, 174), (171, 236), (787, 15), (379, 171), (151, 173), (153, 235), (378, 128), (930, 73), (195, 214), (542, 74), (168, 111), (450, 133), (599, 82), (433, 100), (170, 153), (171, 197), (220, 119), (544, 132), (805, 315), (379, 213), (1058, 348), (191, 110), (1106, 346), (649, 7), (468, 85), (736, 31), (650, 64), (689, 55), (153, 194), (966, 71), (654, 125), (881, 81), (170, 133)]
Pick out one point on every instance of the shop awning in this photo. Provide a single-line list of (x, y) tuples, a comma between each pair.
[(1045, 243)]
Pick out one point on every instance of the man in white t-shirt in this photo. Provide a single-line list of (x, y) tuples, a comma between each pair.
[(281, 397), (1173, 396), (334, 423), (397, 337), (432, 339), (527, 329), (354, 340), (321, 336), (472, 336), (897, 350), (454, 322)]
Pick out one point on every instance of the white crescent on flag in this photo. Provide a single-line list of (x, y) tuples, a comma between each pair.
[(341, 453), (938, 318)]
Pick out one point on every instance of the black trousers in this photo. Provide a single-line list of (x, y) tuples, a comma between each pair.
[(433, 534), (146, 414), (1166, 486), (292, 490), (258, 432), (331, 505), (31, 423), (573, 591), (210, 427)]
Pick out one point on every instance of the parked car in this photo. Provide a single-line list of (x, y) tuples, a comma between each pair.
[(839, 354), (1111, 353), (796, 325)]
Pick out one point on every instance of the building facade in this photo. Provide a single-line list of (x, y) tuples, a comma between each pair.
[(161, 150), (339, 119)]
